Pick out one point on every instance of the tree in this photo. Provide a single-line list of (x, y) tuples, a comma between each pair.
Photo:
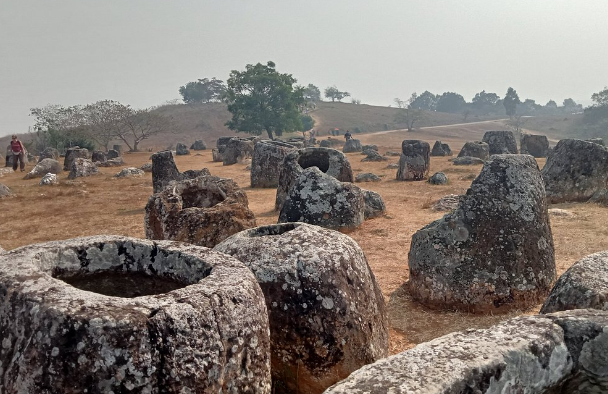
[(137, 125), (307, 122), (551, 105), (102, 120), (311, 93), (262, 99), (600, 98), (510, 102), (59, 127), (203, 91), (426, 101), (484, 103), (450, 102), (408, 115), (334, 94)]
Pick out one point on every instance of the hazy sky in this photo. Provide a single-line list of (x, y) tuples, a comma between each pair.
[(140, 51)]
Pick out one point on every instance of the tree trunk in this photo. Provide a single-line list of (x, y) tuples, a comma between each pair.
[(269, 134)]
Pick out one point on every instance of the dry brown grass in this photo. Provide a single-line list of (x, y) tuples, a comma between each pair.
[(105, 205)]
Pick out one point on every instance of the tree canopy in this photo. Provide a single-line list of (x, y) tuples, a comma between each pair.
[(510, 102), (203, 91), (426, 101), (600, 98), (311, 93), (334, 94), (262, 99), (450, 102)]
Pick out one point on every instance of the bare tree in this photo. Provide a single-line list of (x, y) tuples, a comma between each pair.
[(103, 120), (408, 115), (140, 125)]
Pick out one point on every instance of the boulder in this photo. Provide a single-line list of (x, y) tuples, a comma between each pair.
[(327, 313), (82, 168), (115, 162), (267, 161), (392, 153), (129, 172), (4, 191), (72, 154), (44, 167), (320, 199), (98, 156), (392, 166), (478, 149), (576, 170), (113, 153), (559, 353), (164, 171), (181, 150), (215, 154), (441, 149), (447, 203), (110, 314), (534, 144), (415, 161), (500, 142), (198, 145), (202, 211), (49, 153), (352, 145), (373, 155), (374, 205), (330, 161), (367, 177), (117, 148), (438, 178), (237, 150), (147, 167), (583, 286), (49, 179), (330, 143), (495, 251), (369, 147), (220, 147), (467, 161)]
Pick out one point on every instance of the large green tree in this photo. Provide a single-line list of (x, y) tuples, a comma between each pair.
[(510, 102), (334, 94), (426, 101), (262, 99), (450, 102)]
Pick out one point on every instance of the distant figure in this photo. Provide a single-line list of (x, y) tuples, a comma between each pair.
[(348, 135), (312, 136), (18, 151)]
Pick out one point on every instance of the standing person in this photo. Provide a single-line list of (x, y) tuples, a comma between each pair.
[(348, 135), (18, 151)]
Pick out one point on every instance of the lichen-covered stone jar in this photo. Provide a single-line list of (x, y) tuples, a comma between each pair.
[(109, 314)]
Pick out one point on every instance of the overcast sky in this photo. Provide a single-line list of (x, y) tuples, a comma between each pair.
[(140, 52)]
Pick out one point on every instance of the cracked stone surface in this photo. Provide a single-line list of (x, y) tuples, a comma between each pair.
[(208, 334), (495, 250), (548, 354), (500, 141), (441, 149), (534, 144), (72, 154), (267, 162), (82, 168), (327, 313), (477, 149), (415, 161), (164, 171)]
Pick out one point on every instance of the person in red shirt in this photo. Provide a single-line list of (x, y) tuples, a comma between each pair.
[(18, 151)]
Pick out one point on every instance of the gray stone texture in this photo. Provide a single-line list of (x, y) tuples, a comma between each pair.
[(330, 161), (367, 177), (441, 149), (48, 179), (43, 167), (320, 199), (495, 251), (5, 191), (98, 156), (330, 143), (415, 161), (478, 149), (87, 315), (267, 161), (576, 170), (500, 142), (369, 147), (82, 168), (373, 155), (549, 354), (467, 161), (181, 149), (351, 146), (534, 144), (129, 172), (327, 313), (147, 167), (374, 205), (114, 162), (597, 140), (198, 145), (202, 211), (237, 150), (583, 286), (164, 171), (438, 178), (49, 153), (72, 154), (113, 153)]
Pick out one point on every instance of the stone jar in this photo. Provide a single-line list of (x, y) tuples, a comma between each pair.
[(327, 313), (114, 314)]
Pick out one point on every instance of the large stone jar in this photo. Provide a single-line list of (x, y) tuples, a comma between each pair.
[(327, 314), (110, 314)]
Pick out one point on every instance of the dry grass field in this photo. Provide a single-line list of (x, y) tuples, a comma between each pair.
[(105, 205)]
